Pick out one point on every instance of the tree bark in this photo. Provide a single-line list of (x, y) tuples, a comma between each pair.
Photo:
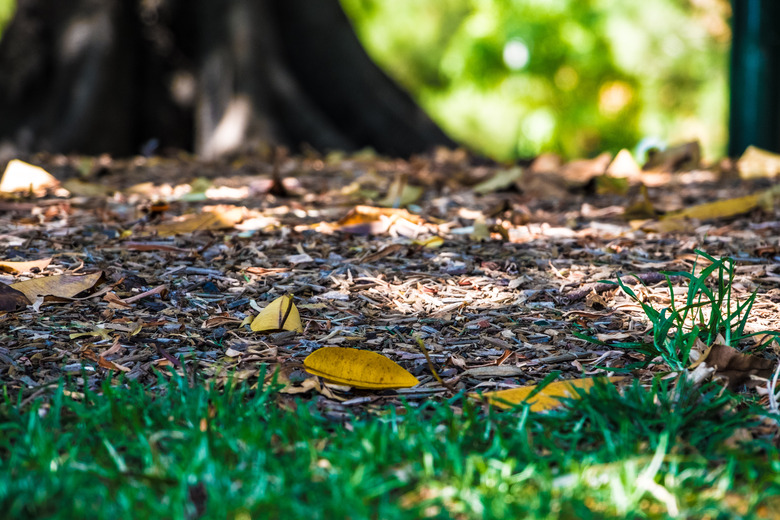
[(213, 76)]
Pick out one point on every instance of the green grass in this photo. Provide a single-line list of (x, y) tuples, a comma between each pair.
[(175, 451), (710, 311)]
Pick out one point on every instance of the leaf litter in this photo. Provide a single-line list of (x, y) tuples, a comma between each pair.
[(498, 270)]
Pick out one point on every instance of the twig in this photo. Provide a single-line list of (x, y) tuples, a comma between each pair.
[(432, 369), (773, 406)]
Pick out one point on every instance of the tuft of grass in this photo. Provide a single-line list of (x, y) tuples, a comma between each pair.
[(707, 312), (176, 451)]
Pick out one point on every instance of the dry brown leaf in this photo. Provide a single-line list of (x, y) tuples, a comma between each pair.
[(217, 218), (59, 286), (685, 156), (12, 299), (736, 367), (579, 172)]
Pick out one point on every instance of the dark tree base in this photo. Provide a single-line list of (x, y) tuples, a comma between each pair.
[(213, 76)]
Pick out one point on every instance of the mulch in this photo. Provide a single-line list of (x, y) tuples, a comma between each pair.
[(500, 285)]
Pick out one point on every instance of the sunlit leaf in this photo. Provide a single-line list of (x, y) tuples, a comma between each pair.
[(624, 165), (24, 267), (20, 176), (60, 286), (280, 314), (432, 242), (756, 163), (548, 398), (358, 368), (369, 220)]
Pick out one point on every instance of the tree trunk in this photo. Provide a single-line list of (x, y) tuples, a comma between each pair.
[(213, 76)]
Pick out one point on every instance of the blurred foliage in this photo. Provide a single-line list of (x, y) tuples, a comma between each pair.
[(512, 78), (6, 11)]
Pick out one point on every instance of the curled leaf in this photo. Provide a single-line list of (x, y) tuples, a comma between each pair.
[(280, 314), (358, 368)]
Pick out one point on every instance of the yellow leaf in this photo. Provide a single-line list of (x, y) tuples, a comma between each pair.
[(24, 267), (280, 314), (729, 207), (20, 176), (60, 286), (358, 368), (548, 398), (432, 242)]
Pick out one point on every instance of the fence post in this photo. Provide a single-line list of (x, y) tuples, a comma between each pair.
[(755, 76)]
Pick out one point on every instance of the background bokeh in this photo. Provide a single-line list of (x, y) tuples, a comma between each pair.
[(513, 78)]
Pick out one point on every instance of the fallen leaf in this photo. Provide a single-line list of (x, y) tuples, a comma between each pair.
[(59, 286), (480, 231), (624, 165), (579, 172), (358, 368), (432, 242), (368, 220), (717, 209), (681, 157), (24, 267), (608, 185), (500, 180), (756, 163), (218, 218), (642, 208), (280, 314), (736, 367), (81, 188), (401, 193), (12, 299), (548, 397), (20, 176)]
